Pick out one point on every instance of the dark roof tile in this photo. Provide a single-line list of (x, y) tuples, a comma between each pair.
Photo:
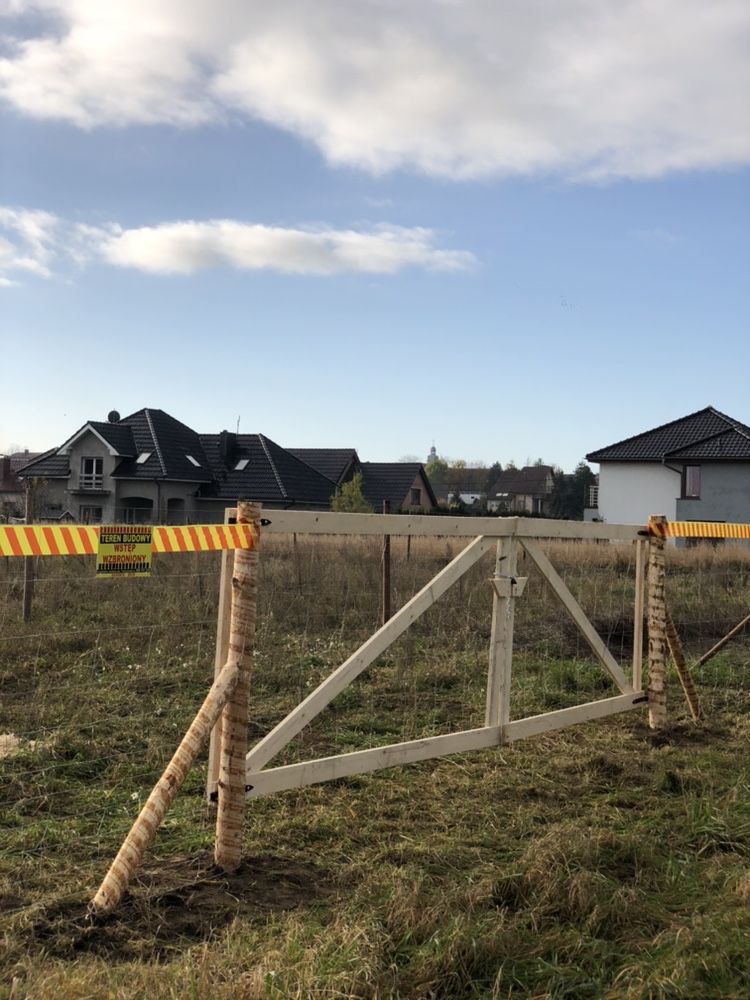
[(677, 437), (269, 474), (333, 463), (392, 481)]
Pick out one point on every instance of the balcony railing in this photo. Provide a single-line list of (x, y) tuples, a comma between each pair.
[(90, 481)]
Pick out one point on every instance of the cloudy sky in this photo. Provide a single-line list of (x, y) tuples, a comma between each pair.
[(516, 228)]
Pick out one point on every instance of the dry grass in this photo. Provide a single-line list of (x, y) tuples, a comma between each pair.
[(595, 862)]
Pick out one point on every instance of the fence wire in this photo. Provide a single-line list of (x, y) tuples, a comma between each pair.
[(98, 687)]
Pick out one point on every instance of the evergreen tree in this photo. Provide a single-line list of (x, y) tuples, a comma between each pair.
[(349, 497)]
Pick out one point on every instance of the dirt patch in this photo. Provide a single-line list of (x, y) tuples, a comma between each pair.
[(180, 902)]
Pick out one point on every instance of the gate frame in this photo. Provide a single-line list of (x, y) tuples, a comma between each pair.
[(505, 535)]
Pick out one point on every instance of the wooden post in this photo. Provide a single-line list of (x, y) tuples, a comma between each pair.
[(142, 832), (641, 550), (386, 572), (657, 625), (497, 709), (297, 562), (678, 658), (220, 658), (722, 642), (231, 785)]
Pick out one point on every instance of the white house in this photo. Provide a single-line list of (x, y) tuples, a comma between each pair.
[(696, 468)]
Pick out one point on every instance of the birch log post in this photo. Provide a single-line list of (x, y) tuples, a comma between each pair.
[(142, 832), (231, 785), (678, 658), (657, 627)]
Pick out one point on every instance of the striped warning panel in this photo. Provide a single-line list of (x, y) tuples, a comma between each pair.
[(83, 540), (703, 529), (204, 538)]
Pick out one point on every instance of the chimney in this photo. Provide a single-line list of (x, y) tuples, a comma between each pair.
[(227, 444)]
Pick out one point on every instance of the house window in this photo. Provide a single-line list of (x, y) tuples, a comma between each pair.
[(691, 482), (92, 474), (416, 497), (536, 505), (193, 461), (90, 515)]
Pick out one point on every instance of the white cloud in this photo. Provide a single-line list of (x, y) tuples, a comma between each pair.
[(35, 242), (28, 241), (187, 247), (462, 88)]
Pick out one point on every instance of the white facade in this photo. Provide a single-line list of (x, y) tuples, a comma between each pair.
[(629, 492)]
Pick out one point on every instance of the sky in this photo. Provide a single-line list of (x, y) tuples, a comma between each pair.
[(516, 229)]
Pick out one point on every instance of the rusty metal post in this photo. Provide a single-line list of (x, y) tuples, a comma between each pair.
[(386, 572), (28, 561)]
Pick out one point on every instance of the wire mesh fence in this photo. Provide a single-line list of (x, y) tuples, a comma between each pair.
[(97, 688)]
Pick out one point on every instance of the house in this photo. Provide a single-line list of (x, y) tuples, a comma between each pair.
[(522, 491), (696, 468), (12, 489), (403, 484), (150, 467), (469, 485)]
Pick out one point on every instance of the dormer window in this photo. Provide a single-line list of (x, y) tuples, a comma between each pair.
[(143, 457), (242, 464), (193, 461)]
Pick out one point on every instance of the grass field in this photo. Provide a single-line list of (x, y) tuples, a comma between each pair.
[(595, 862)]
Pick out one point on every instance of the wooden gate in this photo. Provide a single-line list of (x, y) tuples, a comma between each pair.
[(504, 536)]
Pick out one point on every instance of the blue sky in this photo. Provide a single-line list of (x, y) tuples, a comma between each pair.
[(518, 230)]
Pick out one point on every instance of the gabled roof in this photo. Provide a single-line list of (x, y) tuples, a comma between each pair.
[(704, 435), (333, 463), (117, 439), (392, 481), (49, 465), (267, 472), (168, 443), (532, 480)]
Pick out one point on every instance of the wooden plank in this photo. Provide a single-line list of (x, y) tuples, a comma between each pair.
[(330, 523), (312, 772), (497, 707), (639, 607), (220, 658), (565, 717), (346, 765), (575, 611), (369, 651)]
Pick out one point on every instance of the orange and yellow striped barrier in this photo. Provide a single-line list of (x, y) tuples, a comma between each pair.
[(83, 540), (699, 529)]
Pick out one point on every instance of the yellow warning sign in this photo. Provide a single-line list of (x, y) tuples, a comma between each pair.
[(124, 550)]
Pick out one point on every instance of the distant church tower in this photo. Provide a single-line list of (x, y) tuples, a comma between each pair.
[(433, 454)]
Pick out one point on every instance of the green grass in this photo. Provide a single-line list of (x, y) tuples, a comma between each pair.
[(596, 862)]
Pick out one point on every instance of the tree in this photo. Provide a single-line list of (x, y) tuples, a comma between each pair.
[(436, 468), (493, 474), (570, 491), (349, 497)]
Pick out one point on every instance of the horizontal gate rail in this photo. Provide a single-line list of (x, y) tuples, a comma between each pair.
[(312, 772), (325, 523)]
